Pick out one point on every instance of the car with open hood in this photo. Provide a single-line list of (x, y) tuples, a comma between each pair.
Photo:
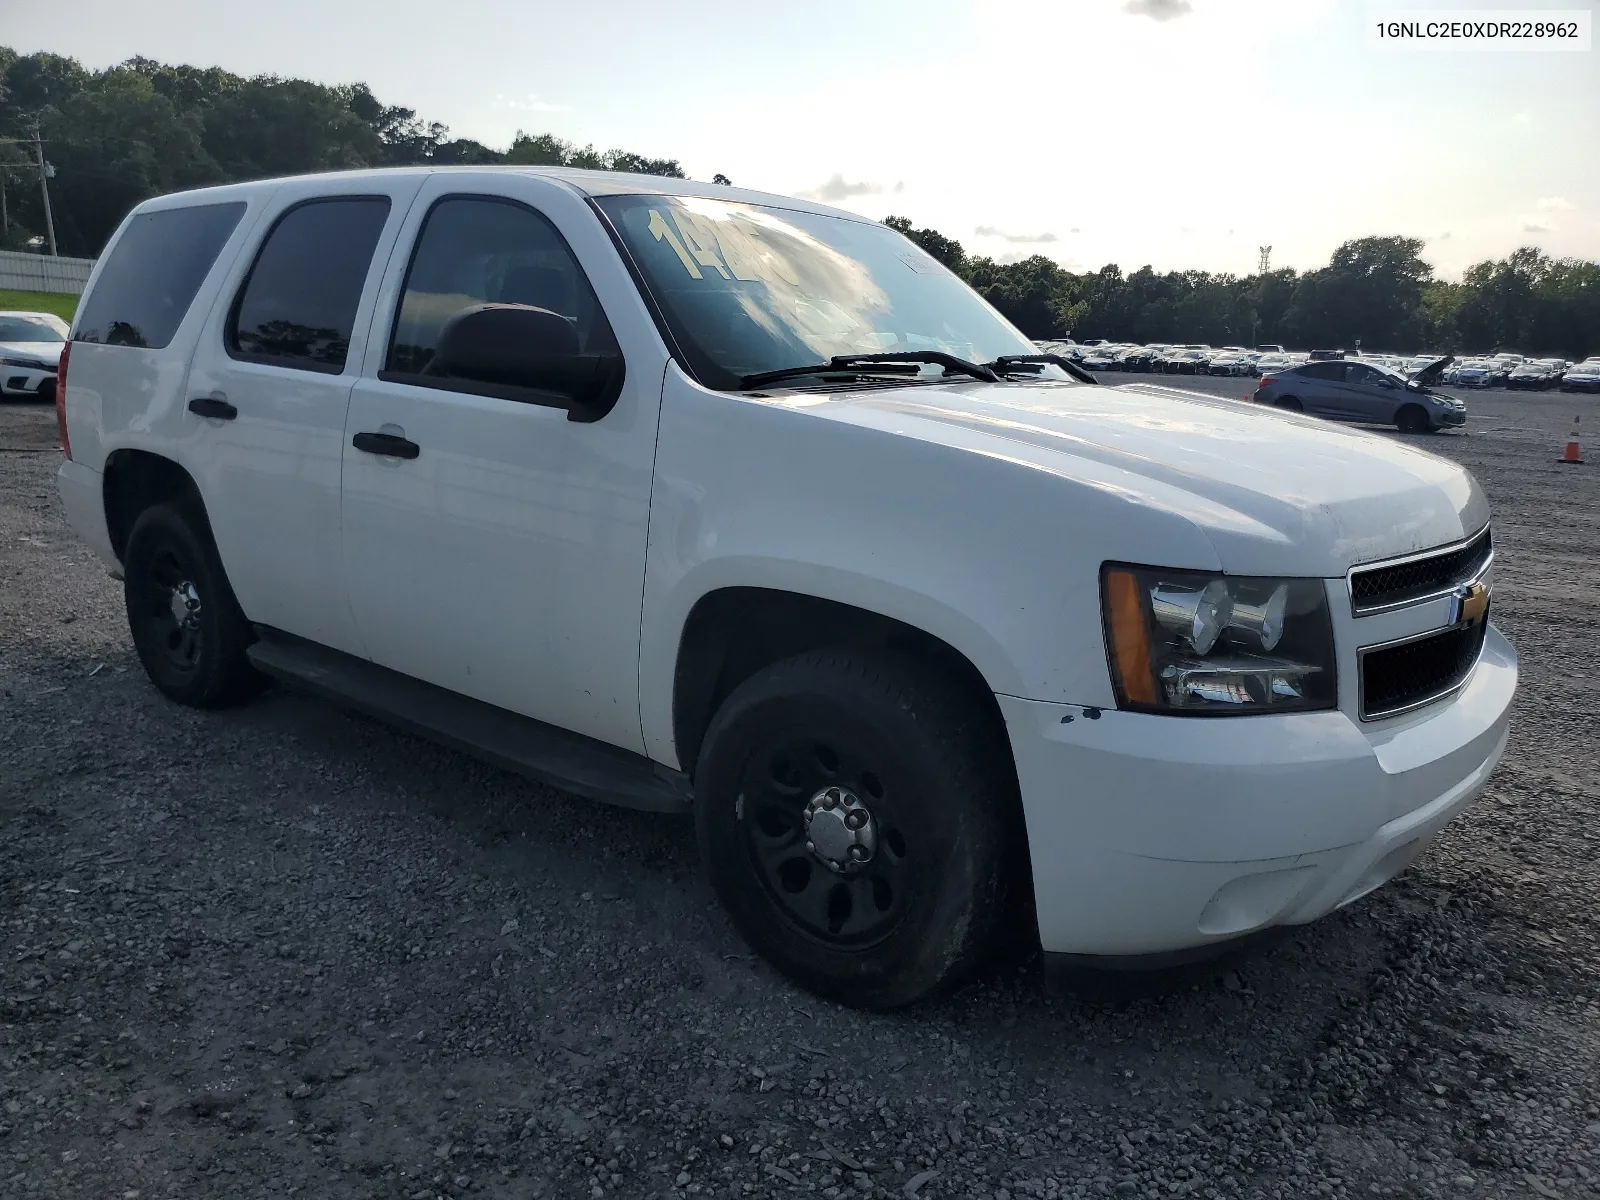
[(734, 506), (1353, 390)]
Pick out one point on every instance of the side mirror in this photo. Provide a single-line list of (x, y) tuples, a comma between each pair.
[(526, 349)]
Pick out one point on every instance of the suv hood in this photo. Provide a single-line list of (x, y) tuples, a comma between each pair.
[(1275, 492)]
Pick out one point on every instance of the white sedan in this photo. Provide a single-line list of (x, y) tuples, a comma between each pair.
[(30, 350)]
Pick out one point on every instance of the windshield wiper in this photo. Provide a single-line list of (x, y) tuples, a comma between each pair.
[(844, 362), (1006, 361)]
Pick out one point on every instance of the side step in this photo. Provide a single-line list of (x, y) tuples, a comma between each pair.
[(569, 761)]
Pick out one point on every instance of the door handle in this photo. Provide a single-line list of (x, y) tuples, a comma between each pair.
[(216, 406), (386, 444)]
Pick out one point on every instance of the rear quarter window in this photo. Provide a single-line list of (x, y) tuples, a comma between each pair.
[(152, 273)]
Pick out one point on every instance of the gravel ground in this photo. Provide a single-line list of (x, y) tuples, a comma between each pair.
[(285, 951)]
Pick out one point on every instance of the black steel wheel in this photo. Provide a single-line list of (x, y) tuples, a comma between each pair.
[(826, 840), (182, 615), (855, 812)]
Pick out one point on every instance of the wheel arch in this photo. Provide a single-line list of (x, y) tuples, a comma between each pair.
[(134, 480), (732, 632)]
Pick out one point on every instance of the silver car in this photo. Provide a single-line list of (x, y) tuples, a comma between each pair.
[(1346, 390)]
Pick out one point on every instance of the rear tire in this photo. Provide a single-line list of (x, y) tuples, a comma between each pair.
[(171, 567), (1412, 419), (911, 914), (1291, 403)]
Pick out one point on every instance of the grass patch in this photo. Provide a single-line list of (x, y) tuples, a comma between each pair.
[(63, 304)]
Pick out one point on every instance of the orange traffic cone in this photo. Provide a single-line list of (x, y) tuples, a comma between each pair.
[(1573, 452)]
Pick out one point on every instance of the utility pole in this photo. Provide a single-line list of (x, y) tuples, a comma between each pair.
[(44, 190)]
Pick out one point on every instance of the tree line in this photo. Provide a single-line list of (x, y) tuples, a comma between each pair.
[(1375, 290), (142, 128)]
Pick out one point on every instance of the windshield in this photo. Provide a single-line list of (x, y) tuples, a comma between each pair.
[(745, 288), (27, 329)]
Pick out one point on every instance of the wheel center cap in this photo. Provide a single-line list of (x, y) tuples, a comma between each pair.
[(840, 830), (185, 603)]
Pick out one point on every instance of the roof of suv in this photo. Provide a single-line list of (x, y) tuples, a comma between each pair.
[(586, 183)]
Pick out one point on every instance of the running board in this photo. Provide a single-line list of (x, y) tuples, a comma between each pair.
[(562, 759)]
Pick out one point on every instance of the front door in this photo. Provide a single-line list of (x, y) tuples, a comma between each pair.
[(505, 559), (267, 394)]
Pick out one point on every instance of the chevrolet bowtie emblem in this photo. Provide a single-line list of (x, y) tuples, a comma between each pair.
[(1468, 603)]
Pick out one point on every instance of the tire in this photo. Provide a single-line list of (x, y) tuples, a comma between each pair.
[(934, 774), (1292, 403), (47, 392), (198, 661), (1413, 419)]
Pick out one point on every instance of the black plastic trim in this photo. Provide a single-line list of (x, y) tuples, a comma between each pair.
[(508, 740)]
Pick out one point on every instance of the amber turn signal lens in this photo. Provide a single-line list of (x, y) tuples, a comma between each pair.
[(1130, 638)]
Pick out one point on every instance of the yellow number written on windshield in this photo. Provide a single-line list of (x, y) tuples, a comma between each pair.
[(723, 246)]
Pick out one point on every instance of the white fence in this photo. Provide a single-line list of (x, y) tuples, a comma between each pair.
[(41, 273)]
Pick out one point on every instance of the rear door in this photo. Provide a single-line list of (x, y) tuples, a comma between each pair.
[(1318, 386), (268, 390)]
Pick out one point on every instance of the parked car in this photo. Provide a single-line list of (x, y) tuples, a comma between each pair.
[(30, 350), (1100, 358), (1582, 377), (1184, 362), (1481, 373), (1141, 358), (1345, 390), (1534, 375), (1229, 363), (1270, 348), (613, 479)]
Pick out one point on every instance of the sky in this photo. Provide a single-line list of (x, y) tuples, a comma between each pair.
[(1178, 133)]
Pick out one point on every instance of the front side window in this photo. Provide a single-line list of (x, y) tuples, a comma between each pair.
[(152, 274), (744, 289), (298, 305), (476, 250)]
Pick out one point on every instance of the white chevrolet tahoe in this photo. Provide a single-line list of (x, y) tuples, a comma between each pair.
[(706, 501)]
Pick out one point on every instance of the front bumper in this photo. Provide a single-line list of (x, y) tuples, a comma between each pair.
[(25, 381), (1153, 834), (1449, 416)]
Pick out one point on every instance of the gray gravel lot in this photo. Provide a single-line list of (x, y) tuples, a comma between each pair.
[(285, 951)]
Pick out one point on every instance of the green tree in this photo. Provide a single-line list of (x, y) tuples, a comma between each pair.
[(946, 250)]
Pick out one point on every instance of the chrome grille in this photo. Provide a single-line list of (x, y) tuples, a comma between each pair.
[(1405, 675), (1418, 576)]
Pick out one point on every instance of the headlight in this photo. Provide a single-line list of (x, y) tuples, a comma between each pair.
[(1197, 644), (30, 364)]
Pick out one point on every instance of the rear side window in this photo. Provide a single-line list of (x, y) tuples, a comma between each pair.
[(151, 275), (298, 304)]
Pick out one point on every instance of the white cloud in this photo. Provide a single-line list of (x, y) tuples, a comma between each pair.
[(1018, 238), (1158, 10), (839, 188), (1535, 227), (529, 103), (1554, 204)]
